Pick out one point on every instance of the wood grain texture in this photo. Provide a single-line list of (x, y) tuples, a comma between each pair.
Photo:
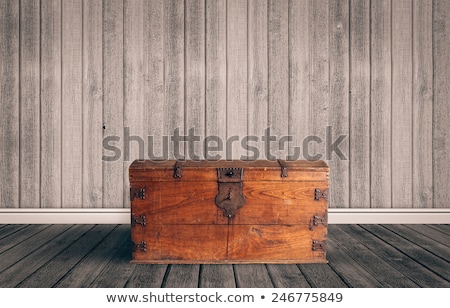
[(182, 276), (278, 70), (133, 79), (380, 105), (10, 98), (217, 276), (422, 104), (94, 263), (299, 74), (321, 276), (367, 258), (55, 269), (237, 113), (441, 108), (286, 276), (360, 104), (153, 91), (113, 105), (402, 95), (16, 273), (92, 104), (7, 242), (216, 77), (29, 104), (195, 77), (252, 276), (388, 251), (339, 101), (72, 104), (174, 82), (257, 78), (51, 90), (147, 276), (319, 78)]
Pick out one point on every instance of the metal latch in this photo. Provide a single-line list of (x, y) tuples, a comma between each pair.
[(229, 197), (284, 170), (177, 170)]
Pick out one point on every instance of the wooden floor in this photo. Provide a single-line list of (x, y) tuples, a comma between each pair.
[(404, 256)]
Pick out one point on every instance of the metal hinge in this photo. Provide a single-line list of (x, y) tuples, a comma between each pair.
[(318, 194), (137, 193), (138, 220), (177, 170), (284, 170), (317, 220), (141, 246), (319, 245)]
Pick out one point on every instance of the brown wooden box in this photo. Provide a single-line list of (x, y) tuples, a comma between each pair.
[(229, 211)]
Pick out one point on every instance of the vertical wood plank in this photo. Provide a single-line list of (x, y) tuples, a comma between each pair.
[(360, 104), (402, 103), (299, 77), (174, 107), (72, 104), (257, 77), (29, 103), (50, 192), (441, 107), (154, 78), (278, 54), (339, 102), (380, 108), (113, 192), (92, 104), (422, 104), (9, 97), (236, 77), (195, 77), (133, 88), (319, 78), (216, 77)]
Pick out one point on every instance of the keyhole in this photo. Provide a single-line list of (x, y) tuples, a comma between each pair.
[(229, 174)]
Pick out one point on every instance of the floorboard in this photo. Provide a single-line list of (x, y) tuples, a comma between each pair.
[(98, 256)]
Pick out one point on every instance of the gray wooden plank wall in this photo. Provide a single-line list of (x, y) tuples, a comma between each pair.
[(74, 74)]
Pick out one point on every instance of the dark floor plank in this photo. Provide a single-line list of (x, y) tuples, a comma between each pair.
[(49, 274), (418, 254), (30, 244), (443, 228), (18, 237), (182, 276), (10, 229), (217, 276), (353, 274), (398, 260), (431, 233), (379, 268), (117, 271), (147, 276), (286, 276), (321, 276), (88, 268), (16, 273), (252, 276), (421, 240)]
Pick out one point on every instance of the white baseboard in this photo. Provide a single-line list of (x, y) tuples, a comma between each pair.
[(122, 216)]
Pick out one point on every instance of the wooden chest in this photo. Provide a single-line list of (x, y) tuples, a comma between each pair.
[(229, 211)]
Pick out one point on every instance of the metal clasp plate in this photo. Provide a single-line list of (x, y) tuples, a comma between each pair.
[(229, 197)]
